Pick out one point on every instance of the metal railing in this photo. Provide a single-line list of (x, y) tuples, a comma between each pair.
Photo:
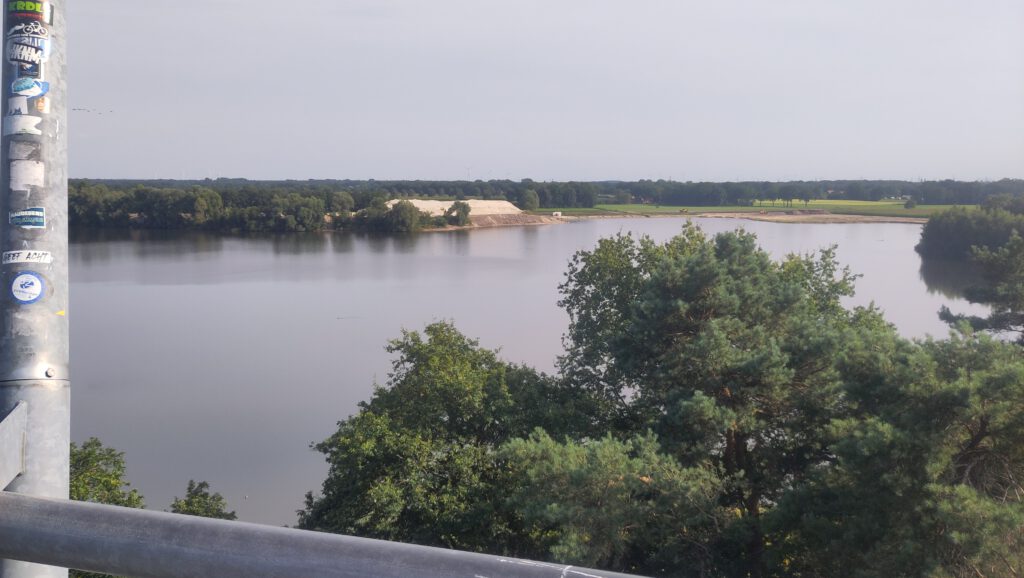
[(148, 544)]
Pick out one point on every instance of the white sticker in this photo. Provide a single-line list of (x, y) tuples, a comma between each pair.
[(17, 105), (27, 287), (22, 124), (27, 174), (11, 257)]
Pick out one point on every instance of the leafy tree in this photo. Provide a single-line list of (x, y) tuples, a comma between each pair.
[(458, 214), (600, 289), (727, 355), (341, 202), (418, 462), (97, 475), (954, 233), (531, 201), (207, 207), (198, 501), (606, 503), (926, 476), (403, 217)]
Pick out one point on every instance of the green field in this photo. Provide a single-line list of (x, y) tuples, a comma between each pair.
[(870, 208)]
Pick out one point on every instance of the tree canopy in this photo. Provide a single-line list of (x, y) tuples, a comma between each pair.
[(716, 413), (198, 501)]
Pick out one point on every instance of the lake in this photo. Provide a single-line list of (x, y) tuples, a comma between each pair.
[(222, 358)]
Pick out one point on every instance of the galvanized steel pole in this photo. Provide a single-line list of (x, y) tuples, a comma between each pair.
[(34, 244)]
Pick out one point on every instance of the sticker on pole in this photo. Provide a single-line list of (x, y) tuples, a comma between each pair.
[(31, 218), (27, 174), (22, 124), (27, 287), (12, 257), (42, 11), (30, 87)]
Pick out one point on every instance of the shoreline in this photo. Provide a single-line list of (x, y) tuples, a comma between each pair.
[(524, 220), (774, 217)]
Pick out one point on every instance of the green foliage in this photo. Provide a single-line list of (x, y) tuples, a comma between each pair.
[(531, 201), (613, 504), (954, 233), (403, 217), (718, 413), (341, 202), (1002, 288), (418, 462), (989, 238), (457, 214), (198, 501), (926, 477), (97, 475)]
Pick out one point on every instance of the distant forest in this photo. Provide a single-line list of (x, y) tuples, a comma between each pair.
[(313, 205)]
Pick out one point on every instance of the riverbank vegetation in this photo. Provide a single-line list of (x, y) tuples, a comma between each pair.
[(282, 206), (716, 413), (990, 239)]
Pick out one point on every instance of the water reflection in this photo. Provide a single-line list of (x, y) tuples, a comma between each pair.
[(299, 243), (342, 243), (98, 245), (950, 279)]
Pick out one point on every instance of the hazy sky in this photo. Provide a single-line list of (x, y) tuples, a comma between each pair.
[(548, 89)]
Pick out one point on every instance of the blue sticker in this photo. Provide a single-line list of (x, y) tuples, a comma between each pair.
[(31, 218), (29, 87), (28, 287)]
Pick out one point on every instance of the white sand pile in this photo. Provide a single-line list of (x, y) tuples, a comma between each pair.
[(476, 208)]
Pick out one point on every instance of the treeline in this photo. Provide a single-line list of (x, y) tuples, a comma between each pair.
[(259, 210), (242, 205), (956, 232), (716, 414)]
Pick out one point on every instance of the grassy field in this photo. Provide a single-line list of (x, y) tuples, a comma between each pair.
[(870, 208)]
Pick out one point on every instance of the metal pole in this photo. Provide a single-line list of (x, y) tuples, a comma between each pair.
[(148, 544), (34, 243)]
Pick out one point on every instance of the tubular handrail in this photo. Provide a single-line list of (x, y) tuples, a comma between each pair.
[(147, 544)]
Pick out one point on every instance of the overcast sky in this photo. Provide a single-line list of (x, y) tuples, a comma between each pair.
[(548, 89)]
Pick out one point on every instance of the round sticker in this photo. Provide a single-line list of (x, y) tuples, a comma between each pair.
[(27, 287)]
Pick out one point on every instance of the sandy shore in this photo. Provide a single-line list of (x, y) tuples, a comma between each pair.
[(491, 221), (521, 220)]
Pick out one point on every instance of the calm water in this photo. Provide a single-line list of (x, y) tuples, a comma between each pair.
[(222, 358)]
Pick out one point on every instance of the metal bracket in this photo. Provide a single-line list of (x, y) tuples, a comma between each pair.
[(12, 444)]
